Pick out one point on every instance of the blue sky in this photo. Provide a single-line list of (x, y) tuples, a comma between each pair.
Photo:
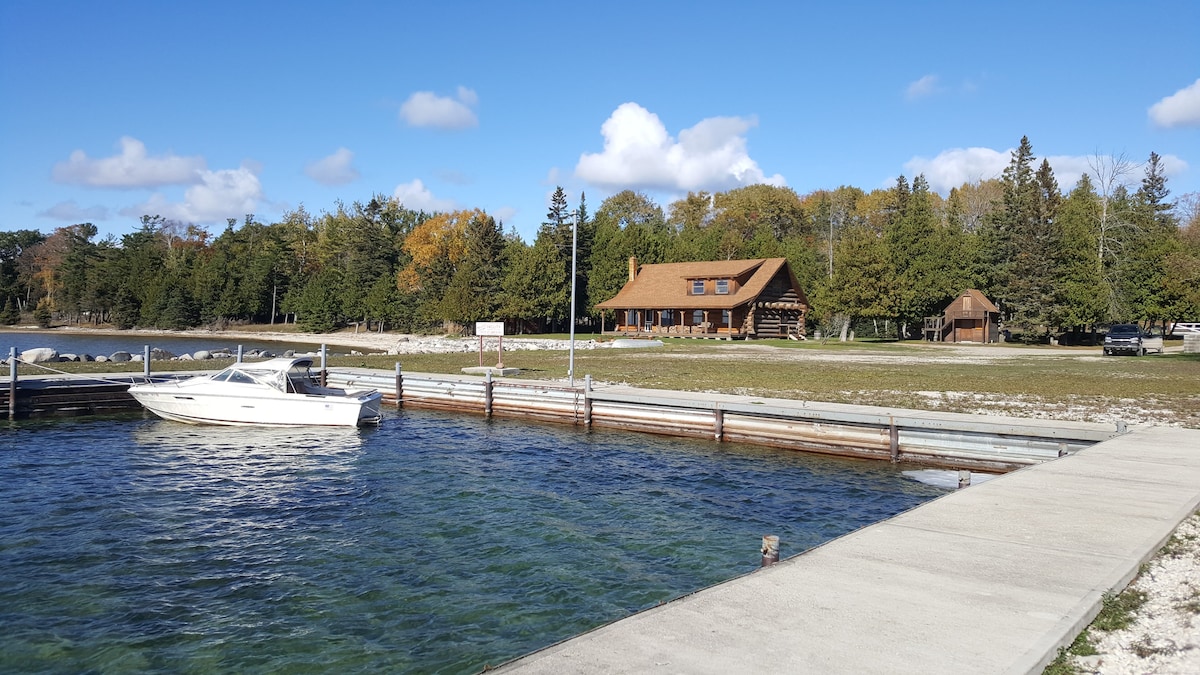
[(204, 111)]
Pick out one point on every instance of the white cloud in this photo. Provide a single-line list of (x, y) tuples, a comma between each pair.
[(504, 214), (426, 109), (639, 153), (416, 196), (336, 169), (70, 211), (951, 168), (926, 86), (1181, 109), (228, 193), (132, 168)]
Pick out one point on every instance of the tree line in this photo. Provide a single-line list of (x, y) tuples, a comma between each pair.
[(1112, 248)]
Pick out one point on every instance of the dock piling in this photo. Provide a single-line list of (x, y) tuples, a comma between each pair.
[(770, 550), (487, 394), (146, 361), (587, 400), (399, 386), (12, 383), (964, 479)]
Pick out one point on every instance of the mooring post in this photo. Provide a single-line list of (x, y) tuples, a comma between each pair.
[(964, 479), (324, 374), (239, 357), (718, 423), (770, 550), (399, 386), (1062, 450), (146, 361), (587, 400), (487, 394), (12, 383), (1121, 428), (894, 439)]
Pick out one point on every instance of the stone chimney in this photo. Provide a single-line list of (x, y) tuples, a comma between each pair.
[(632, 267)]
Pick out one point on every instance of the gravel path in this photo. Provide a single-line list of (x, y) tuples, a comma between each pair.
[(1165, 638)]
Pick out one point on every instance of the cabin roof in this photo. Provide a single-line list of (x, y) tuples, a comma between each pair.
[(977, 296), (666, 285)]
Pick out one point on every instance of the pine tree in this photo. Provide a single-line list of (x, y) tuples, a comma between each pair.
[(11, 315)]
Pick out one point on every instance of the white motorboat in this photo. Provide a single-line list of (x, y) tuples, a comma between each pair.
[(278, 392)]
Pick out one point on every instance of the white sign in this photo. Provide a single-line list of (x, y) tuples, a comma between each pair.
[(489, 328)]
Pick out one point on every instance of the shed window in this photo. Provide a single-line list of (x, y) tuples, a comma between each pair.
[(722, 287), (724, 317), (697, 287), (697, 317), (668, 317), (631, 318)]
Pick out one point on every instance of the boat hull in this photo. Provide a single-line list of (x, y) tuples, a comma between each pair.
[(175, 402)]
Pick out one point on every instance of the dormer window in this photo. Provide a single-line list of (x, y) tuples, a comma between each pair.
[(697, 287), (722, 287)]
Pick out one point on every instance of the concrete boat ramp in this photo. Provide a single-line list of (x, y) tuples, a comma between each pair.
[(990, 579)]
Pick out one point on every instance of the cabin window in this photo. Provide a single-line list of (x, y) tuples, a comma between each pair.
[(697, 317), (724, 317), (722, 287), (631, 317), (668, 317), (697, 287)]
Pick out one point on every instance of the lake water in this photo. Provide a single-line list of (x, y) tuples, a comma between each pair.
[(433, 543), (97, 345)]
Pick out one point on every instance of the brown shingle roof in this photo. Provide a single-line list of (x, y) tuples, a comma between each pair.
[(983, 303), (667, 285)]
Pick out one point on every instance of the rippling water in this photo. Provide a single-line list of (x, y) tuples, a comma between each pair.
[(435, 543)]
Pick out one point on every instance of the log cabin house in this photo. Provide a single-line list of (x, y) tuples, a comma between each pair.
[(729, 299), (970, 318)]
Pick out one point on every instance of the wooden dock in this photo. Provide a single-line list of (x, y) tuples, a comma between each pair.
[(57, 396), (919, 437)]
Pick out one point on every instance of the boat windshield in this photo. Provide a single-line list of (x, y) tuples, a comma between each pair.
[(271, 378)]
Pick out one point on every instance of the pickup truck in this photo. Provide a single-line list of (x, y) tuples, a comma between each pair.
[(1129, 338)]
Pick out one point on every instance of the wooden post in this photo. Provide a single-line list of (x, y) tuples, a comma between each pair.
[(399, 386), (480, 351), (239, 356), (770, 550), (964, 479), (12, 383), (487, 394), (324, 373), (500, 354), (718, 424), (587, 400), (146, 361), (894, 439)]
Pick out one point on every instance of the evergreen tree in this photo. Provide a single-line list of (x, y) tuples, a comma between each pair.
[(10, 315), (1081, 299)]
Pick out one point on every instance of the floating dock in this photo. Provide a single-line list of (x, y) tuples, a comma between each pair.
[(891, 434)]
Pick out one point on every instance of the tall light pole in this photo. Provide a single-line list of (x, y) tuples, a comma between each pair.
[(571, 364)]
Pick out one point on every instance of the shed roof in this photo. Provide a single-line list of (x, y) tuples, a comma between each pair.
[(665, 285), (978, 297)]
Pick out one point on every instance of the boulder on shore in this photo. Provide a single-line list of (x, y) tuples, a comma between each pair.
[(120, 357), (39, 355)]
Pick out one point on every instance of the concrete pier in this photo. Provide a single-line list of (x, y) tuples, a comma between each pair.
[(990, 579)]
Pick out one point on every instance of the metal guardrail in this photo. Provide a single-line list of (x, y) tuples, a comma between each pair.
[(906, 436)]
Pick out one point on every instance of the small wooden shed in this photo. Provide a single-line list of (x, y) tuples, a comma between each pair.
[(970, 318)]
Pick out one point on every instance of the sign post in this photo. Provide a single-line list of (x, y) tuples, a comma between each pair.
[(491, 329)]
